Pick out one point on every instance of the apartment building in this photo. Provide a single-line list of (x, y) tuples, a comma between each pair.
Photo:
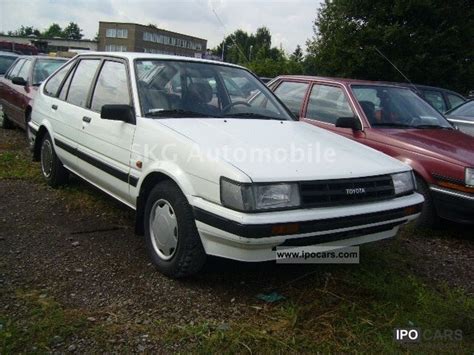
[(133, 37)]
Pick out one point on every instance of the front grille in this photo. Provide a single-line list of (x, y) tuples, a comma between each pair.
[(346, 191)]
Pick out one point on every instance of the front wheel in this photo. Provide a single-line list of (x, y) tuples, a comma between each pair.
[(428, 217), (52, 169), (171, 236)]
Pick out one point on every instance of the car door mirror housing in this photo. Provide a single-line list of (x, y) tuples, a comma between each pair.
[(18, 80), (349, 122), (124, 113)]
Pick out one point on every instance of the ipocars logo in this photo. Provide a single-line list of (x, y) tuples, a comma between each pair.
[(414, 335)]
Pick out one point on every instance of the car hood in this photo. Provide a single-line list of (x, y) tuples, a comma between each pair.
[(451, 145), (271, 150)]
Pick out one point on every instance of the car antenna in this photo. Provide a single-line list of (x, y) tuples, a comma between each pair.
[(393, 65), (231, 37)]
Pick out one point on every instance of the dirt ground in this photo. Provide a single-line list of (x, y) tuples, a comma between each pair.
[(86, 257)]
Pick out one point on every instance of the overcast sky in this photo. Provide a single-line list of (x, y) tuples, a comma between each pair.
[(290, 21)]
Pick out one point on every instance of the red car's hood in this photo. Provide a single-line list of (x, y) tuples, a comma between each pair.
[(450, 145)]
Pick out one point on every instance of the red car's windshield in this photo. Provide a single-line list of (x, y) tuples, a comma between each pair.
[(387, 106)]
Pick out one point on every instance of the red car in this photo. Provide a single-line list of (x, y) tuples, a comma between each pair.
[(18, 87), (396, 121)]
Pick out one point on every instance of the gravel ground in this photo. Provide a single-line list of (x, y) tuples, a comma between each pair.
[(93, 261)]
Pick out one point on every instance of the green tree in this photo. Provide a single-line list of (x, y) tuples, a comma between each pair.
[(25, 31), (72, 31), (430, 41), (52, 31), (297, 55)]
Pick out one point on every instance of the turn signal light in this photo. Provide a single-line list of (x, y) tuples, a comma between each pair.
[(281, 229)]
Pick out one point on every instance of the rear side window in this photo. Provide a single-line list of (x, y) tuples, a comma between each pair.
[(327, 104), (52, 86), (454, 100), (435, 98), (81, 82), (16, 69), (111, 87), (292, 94)]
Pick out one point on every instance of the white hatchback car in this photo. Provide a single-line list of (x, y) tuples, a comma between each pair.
[(212, 162)]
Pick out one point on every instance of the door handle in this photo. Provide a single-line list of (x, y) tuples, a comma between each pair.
[(54, 107), (86, 119)]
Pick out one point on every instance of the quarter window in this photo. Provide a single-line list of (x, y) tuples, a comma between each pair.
[(25, 70), (16, 69), (327, 104), (81, 82), (52, 86), (292, 94), (111, 87)]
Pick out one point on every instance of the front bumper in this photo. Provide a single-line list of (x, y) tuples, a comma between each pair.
[(254, 237), (453, 205)]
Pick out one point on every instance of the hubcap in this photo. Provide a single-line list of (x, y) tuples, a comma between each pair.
[(46, 158), (163, 229)]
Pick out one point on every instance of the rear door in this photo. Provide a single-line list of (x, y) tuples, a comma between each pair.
[(105, 146), (20, 94), (7, 89), (68, 106)]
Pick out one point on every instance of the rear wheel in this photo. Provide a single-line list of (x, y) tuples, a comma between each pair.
[(428, 218), (52, 169), (171, 236)]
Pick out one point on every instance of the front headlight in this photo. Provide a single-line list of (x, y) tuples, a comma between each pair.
[(403, 183), (469, 177), (258, 197)]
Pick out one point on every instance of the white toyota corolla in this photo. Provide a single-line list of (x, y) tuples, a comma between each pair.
[(212, 162)]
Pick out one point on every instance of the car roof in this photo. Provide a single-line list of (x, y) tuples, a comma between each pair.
[(139, 55), (9, 54), (339, 80)]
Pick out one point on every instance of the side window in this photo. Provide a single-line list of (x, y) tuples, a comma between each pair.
[(435, 98), (52, 86), (16, 69), (327, 104), (111, 87), (25, 70), (454, 100), (292, 94), (81, 82)]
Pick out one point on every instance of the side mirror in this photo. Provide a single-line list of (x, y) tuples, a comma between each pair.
[(17, 80), (124, 113), (349, 122)]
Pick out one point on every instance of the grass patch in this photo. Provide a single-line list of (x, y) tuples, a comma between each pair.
[(357, 310), (44, 325), (15, 164)]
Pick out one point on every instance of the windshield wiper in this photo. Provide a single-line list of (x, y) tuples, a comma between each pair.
[(428, 126), (252, 115), (177, 113)]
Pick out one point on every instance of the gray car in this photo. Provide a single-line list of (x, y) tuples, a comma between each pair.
[(462, 117)]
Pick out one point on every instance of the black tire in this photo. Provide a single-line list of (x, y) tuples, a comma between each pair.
[(188, 257), (428, 217), (6, 123), (52, 169)]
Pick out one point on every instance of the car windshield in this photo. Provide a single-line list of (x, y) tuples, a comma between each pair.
[(5, 62), (465, 109), (44, 68), (386, 106), (176, 89)]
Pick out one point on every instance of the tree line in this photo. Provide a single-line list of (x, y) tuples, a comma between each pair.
[(71, 31), (429, 41)]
